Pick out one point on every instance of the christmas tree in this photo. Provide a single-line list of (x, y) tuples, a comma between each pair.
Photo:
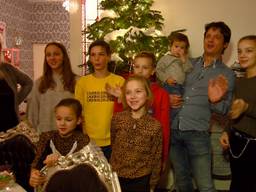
[(129, 26)]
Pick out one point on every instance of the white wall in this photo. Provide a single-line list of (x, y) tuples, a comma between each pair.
[(38, 60), (194, 14), (76, 37)]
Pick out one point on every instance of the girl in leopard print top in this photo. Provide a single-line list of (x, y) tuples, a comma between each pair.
[(136, 139)]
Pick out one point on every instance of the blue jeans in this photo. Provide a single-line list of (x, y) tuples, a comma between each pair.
[(191, 158), (176, 89)]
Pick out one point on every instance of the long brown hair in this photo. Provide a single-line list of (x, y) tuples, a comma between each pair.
[(68, 77)]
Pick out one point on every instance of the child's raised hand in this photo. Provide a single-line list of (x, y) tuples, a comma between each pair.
[(51, 159), (170, 81), (183, 57), (115, 91)]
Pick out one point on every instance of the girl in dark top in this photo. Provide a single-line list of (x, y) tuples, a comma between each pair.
[(7, 110), (242, 136), (64, 141), (10, 95)]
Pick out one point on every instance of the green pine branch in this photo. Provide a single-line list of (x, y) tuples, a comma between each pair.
[(132, 30)]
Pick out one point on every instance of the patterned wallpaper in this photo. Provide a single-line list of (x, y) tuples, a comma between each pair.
[(35, 22), (50, 22), (16, 14)]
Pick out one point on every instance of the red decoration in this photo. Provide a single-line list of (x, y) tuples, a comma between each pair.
[(12, 56)]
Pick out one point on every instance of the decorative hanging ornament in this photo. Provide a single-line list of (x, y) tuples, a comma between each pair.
[(115, 57), (8, 56), (108, 13), (18, 40), (114, 34)]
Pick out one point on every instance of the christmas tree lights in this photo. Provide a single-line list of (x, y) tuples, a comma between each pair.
[(129, 26)]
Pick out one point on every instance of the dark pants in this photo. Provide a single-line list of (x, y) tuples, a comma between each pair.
[(242, 162), (107, 150), (140, 184)]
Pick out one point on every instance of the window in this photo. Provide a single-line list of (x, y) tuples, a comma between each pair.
[(91, 12)]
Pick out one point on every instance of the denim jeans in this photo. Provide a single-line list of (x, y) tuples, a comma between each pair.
[(191, 158), (176, 89)]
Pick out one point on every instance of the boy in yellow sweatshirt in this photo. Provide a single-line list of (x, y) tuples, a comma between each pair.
[(97, 103)]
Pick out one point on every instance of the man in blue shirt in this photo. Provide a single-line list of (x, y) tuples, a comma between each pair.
[(208, 88)]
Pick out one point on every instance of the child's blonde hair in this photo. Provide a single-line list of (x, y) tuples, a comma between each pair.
[(146, 85), (146, 54)]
